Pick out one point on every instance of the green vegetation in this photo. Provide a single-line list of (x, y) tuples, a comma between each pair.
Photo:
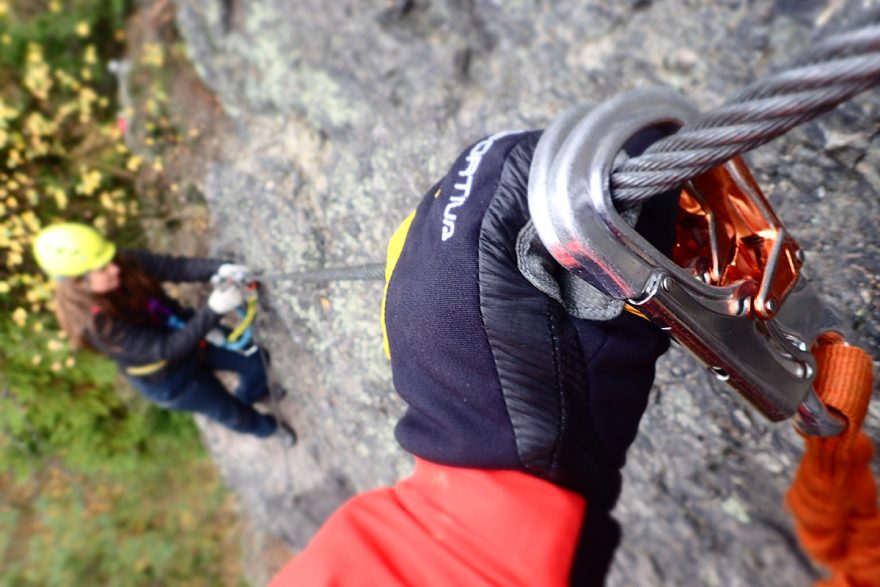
[(97, 487)]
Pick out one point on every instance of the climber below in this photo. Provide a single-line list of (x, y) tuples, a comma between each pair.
[(112, 302)]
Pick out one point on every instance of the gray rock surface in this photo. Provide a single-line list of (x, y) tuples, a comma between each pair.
[(342, 113)]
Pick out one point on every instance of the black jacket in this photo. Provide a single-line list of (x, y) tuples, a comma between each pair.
[(134, 345)]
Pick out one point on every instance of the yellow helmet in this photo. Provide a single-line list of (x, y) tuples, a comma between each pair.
[(71, 250)]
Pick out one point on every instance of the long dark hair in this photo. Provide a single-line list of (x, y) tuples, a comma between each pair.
[(78, 308)]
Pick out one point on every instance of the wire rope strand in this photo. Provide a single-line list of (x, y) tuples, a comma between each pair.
[(843, 64)]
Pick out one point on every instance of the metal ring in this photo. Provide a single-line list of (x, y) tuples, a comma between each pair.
[(569, 192)]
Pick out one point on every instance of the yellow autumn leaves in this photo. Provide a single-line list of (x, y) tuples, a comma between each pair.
[(55, 355), (153, 55), (37, 74), (61, 157), (58, 357), (62, 154), (89, 181)]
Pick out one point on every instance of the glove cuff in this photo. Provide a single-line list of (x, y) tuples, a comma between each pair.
[(579, 298)]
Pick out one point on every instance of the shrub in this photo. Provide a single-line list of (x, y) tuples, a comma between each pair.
[(110, 490)]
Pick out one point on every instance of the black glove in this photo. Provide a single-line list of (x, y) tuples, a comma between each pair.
[(495, 373)]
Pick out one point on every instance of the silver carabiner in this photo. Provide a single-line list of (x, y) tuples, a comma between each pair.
[(761, 348)]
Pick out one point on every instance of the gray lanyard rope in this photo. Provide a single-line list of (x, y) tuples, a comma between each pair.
[(369, 272)]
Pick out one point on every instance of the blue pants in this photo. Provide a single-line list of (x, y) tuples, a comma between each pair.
[(191, 386)]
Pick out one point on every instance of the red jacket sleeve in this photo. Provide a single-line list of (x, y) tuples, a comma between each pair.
[(446, 526)]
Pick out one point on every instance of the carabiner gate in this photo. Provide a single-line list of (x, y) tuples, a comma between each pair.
[(733, 293)]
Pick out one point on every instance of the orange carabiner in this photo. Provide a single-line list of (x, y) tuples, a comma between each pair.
[(727, 232)]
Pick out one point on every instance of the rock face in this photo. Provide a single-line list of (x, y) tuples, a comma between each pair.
[(342, 113)]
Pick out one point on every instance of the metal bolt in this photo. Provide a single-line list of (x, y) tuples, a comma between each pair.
[(770, 307), (666, 283), (719, 373), (798, 343)]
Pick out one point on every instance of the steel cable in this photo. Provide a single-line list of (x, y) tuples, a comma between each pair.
[(834, 69), (845, 63), (370, 272)]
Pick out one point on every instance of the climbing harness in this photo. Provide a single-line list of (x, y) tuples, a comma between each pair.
[(144, 370), (240, 339)]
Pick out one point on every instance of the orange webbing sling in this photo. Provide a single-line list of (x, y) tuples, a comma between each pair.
[(834, 496)]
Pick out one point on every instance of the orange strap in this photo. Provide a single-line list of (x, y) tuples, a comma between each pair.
[(834, 495)]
